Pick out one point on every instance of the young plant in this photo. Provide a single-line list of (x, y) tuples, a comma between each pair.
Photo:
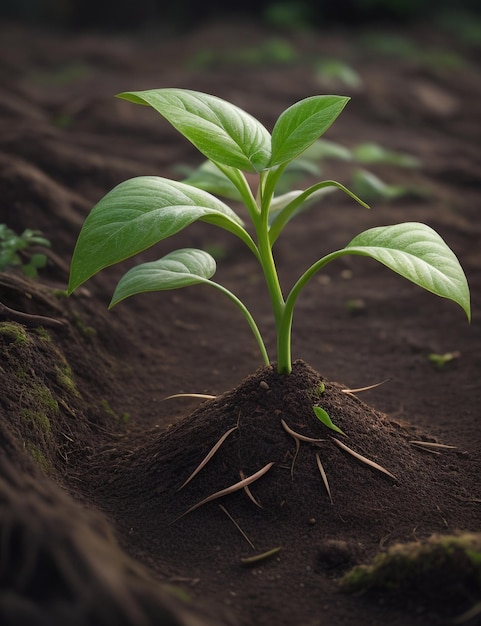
[(15, 250), (141, 211)]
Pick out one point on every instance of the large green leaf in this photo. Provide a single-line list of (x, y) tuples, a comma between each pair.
[(137, 214), (180, 268), (223, 132), (418, 253), (302, 124)]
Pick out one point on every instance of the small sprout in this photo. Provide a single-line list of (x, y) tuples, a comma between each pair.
[(323, 417), (356, 306), (440, 360)]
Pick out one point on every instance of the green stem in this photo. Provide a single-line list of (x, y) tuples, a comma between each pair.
[(287, 212), (284, 359), (261, 224), (246, 313), (239, 181)]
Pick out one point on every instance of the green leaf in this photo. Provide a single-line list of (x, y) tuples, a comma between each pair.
[(223, 132), (374, 153), (137, 214), (177, 269), (302, 124), (323, 416), (372, 188), (418, 253)]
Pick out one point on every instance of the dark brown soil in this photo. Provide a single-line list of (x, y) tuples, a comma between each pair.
[(94, 528)]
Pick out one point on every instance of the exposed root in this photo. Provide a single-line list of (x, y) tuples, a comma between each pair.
[(324, 476), (228, 490), (222, 508), (201, 396), (363, 459), (204, 462), (249, 492), (360, 389)]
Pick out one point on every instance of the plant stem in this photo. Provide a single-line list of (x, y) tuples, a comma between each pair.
[(266, 257), (284, 363), (246, 313)]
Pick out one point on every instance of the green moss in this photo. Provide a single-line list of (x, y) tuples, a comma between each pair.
[(41, 459), (14, 333), (124, 418), (43, 334), (38, 419), (64, 378), (38, 403), (426, 567), (43, 396)]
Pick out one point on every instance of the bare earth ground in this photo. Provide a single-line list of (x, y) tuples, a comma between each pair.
[(93, 457)]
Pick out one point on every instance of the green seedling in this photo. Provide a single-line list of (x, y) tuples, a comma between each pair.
[(333, 71), (142, 211), (372, 153), (15, 250), (273, 51), (440, 360), (373, 188)]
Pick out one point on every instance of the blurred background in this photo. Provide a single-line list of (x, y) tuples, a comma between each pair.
[(121, 15)]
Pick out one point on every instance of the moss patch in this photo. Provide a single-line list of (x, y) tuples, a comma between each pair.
[(445, 569), (12, 332)]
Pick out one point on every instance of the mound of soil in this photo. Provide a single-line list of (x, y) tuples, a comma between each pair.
[(97, 522)]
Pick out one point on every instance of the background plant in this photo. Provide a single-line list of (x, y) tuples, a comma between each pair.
[(141, 211), (16, 250)]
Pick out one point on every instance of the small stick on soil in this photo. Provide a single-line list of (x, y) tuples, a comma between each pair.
[(432, 444), (298, 435), (294, 458), (28, 319), (203, 396), (253, 560), (297, 438), (222, 508), (228, 490), (324, 476), (249, 492), (208, 457), (363, 459), (359, 389)]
